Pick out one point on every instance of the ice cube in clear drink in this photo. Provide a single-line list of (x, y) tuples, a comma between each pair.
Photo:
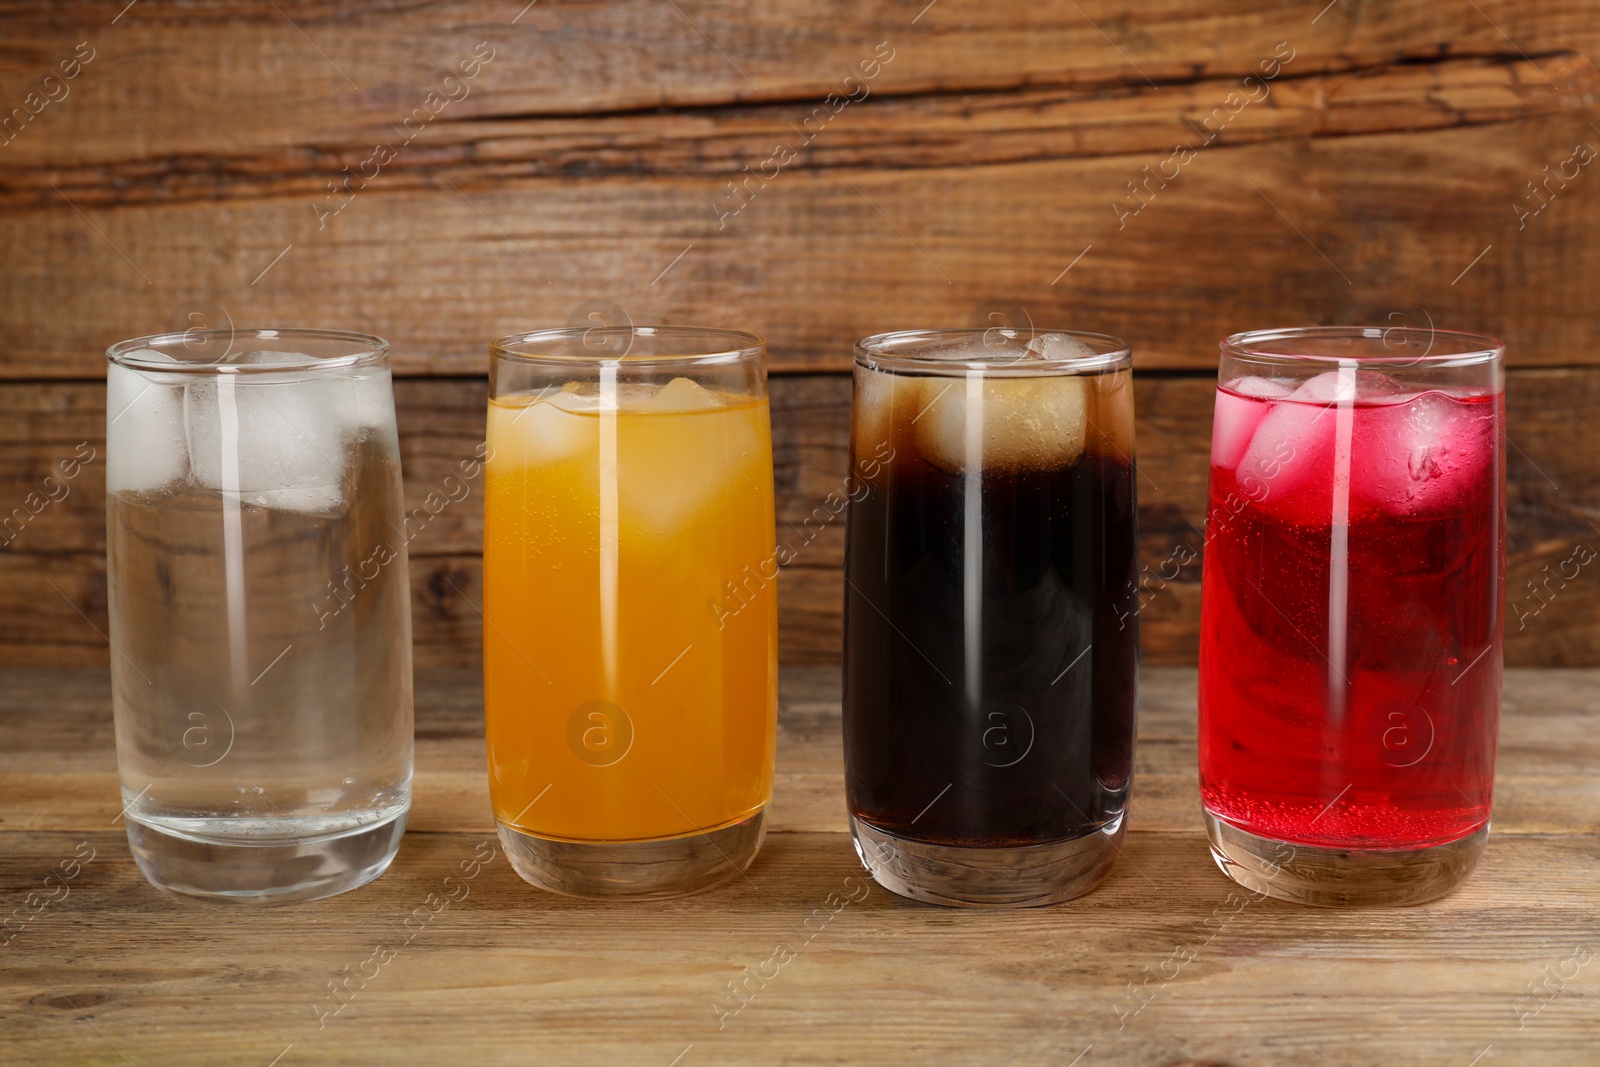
[(146, 449), (277, 440), (374, 402)]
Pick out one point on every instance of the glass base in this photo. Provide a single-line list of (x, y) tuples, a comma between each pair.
[(1023, 876), (1335, 878), (635, 870), (267, 872)]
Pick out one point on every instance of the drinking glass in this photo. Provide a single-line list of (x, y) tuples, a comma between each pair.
[(991, 637), (630, 607), (260, 610), (1351, 613)]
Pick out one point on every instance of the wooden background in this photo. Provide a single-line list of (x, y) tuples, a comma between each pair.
[(1380, 182), (114, 973)]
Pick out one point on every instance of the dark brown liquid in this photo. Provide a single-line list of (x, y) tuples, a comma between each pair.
[(1025, 735)]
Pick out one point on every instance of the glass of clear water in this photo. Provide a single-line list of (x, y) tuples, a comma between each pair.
[(260, 610)]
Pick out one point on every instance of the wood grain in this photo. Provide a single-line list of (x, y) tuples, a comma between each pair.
[(52, 580), (1381, 181), (510, 975), (302, 74), (899, 132), (1550, 734), (1355, 196)]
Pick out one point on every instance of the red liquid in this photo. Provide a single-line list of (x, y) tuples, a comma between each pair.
[(1351, 619)]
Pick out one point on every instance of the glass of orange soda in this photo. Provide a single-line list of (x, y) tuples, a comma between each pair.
[(630, 636)]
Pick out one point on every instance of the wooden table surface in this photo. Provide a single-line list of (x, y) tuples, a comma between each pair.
[(1168, 963)]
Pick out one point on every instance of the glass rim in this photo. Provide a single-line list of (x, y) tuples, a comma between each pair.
[(724, 346), (1466, 349), (365, 348), (877, 353)]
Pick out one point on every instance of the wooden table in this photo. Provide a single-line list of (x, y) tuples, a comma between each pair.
[(1505, 971)]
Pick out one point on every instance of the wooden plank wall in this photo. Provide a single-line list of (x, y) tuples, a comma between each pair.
[(897, 164)]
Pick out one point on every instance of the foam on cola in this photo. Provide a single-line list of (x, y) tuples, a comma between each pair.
[(989, 679)]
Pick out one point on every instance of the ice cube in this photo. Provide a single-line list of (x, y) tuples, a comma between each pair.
[(1236, 419), (1057, 346), (1329, 387), (683, 396), (674, 471), (276, 441), (1022, 423), (1111, 420), (267, 355), (1338, 386), (593, 397), (1420, 456), (374, 407), (1288, 465), (144, 427), (548, 430), (872, 418)]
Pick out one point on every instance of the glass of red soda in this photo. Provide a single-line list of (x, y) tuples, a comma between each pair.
[(1351, 617)]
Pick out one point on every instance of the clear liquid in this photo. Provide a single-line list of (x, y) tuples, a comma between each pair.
[(262, 657)]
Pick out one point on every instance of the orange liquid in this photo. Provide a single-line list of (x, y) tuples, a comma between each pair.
[(630, 693)]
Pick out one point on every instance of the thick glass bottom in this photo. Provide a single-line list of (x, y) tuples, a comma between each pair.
[(1335, 878), (268, 871), (1024, 876), (637, 870)]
